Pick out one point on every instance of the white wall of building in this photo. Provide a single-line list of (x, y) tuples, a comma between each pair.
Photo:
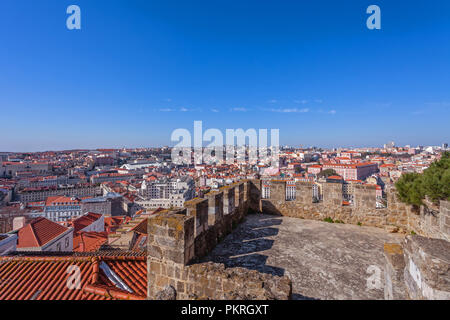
[(9, 244)]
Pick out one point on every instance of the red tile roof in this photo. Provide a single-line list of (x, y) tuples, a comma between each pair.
[(113, 223), (47, 278), (85, 220), (141, 227), (39, 232), (89, 241), (335, 177), (51, 201)]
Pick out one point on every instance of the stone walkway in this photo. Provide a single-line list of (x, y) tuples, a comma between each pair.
[(324, 260)]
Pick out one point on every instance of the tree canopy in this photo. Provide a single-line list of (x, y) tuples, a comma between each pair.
[(327, 173), (434, 182)]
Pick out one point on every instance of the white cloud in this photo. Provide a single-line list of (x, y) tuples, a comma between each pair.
[(290, 110), (214, 110), (273, 101), (239, 109), (332, 112), (166, 110), (184, 110), (301, 101)]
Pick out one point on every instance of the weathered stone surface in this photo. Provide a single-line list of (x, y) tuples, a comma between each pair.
[(198, 208), (427, 270), (394, 288), (168, 293), (213, 281), (397, 217), (323, 260)]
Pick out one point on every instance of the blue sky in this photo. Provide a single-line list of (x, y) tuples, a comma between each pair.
[(137, 70)]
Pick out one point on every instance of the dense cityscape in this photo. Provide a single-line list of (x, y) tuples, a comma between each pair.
[(252, 153), (61, 186), (87, 201)]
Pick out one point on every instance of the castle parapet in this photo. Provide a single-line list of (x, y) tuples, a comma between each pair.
[(171, 236), (228, 200), (365, 196), (215, 207), (332, 194), (198, 208), (304, 192)]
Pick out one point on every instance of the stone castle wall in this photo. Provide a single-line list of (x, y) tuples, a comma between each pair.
[(419, 269), (177, 240), (396, 216)]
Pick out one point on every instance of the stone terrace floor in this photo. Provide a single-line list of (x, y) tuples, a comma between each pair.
[(324, 260)]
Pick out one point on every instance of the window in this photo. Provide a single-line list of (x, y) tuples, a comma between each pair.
[(67, 242), (58, 247)]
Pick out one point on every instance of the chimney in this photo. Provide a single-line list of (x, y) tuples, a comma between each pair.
[(18, 223)]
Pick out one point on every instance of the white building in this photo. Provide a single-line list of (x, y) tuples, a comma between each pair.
[(42, 234), (8, 243), (166, 193), (89, 222)]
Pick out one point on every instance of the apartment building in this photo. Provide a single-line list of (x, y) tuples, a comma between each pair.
[(42, 193), (109, 205), (109, 177), (11, 169), (166, 193), (62, 208), (357, 171)]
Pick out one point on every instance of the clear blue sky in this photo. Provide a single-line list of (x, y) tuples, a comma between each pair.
[(140, 69)]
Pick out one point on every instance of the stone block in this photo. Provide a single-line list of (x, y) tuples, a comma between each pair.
[(198, 208), (215, 207), (394, 288), (427, 270)]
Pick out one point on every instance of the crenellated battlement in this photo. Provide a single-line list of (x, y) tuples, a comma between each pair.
[(364, 209), (179, 239)]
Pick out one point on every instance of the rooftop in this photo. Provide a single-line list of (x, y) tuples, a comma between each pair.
[(47, 278), (39, 232), (85, 220), (89, 241)]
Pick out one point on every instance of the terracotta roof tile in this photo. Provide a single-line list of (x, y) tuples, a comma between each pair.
[(89, 241), (39, 232), (85, 220), (141, 227), (46, 278)]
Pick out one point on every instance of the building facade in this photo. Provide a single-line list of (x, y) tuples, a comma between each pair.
[(166, 193), (358, 171)]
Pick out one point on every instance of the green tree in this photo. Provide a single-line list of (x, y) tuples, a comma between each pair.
[(327, 173), (434, 183), (408, 189)]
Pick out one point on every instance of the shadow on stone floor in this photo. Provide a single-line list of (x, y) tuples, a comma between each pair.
[(240, 248)]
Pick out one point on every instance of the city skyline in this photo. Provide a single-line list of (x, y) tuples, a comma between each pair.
[(200, 151), (136, 72), (381, 147)]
